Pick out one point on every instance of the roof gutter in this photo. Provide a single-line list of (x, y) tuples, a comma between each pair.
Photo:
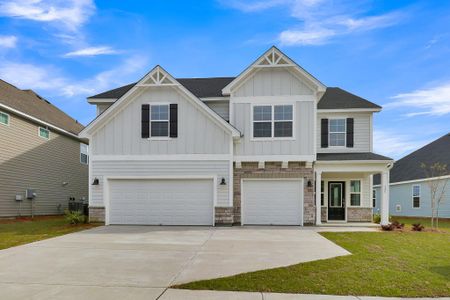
[(31, 118)]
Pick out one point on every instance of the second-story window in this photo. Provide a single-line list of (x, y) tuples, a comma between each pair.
[(273, 121), (337, 132), (4, 118), (159, 120)]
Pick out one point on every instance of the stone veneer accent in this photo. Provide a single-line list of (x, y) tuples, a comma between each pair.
[(359, 214), (224, 216), (274, 170), (96, 214), (324, 214)]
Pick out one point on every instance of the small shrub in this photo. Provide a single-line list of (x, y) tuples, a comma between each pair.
[(377, 218), (397, 225), (417, 227), (75, 217), (388, 227)]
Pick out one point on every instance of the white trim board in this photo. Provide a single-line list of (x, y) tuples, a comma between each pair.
[(218, 157)]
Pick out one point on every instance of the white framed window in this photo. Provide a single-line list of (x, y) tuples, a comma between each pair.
[(355, 192), (44, 133), (374, 198), (337, 132), (159, 120), (84, 154), (273, 121), (416, 196), (4, 118)]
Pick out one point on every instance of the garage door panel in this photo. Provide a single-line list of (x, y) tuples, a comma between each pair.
[(161, 202), (272, 202)]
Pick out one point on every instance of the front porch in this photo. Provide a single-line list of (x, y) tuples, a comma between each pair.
[(344, 191)]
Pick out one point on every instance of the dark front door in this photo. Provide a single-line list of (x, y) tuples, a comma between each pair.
[(336, 201)]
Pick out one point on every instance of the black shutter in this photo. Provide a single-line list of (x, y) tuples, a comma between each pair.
[(324, 133), (173, 120), (350, 132), (145, 118)]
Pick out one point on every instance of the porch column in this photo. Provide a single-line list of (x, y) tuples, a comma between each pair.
[(384, 207), (318, 192)]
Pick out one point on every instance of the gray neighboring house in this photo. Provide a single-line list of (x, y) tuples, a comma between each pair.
[(409, 192), (39, 150), (233, 150)]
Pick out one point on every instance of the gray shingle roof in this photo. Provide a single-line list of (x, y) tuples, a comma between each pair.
[(408, 168), (351, 156), (30, 103), (334, 98)]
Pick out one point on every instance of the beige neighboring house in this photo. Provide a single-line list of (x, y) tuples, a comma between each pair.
[(39, 152)]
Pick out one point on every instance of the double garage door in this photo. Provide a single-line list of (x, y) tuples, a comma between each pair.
[(161, 201), (190, 202)]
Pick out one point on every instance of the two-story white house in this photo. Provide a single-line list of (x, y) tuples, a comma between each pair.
[(272, 146)]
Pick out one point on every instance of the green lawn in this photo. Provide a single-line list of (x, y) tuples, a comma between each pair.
[(408, 264), (23, 231)]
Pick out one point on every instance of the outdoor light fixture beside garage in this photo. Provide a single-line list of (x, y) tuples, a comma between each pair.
[(222, 182), (95, 182)]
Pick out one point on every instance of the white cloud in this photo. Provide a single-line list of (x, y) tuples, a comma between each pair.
[(70, 13), (8, 41), (394, 144), (434, 101), (92, 51), (319, 20), (52, 81)]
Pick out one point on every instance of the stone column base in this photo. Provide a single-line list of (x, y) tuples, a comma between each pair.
[(224, 216), (97, 214)]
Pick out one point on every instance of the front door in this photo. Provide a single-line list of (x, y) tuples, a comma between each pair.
[(336, 201)]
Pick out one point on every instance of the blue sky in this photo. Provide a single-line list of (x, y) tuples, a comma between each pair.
[(394, 53)]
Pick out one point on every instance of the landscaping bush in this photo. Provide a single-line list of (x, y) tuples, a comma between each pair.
[(397, 225), (388, 227), (417, 227), (377, 218), (75, 217)]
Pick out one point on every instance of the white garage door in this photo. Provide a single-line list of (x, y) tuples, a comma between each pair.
[(272, 202), (161, 202)]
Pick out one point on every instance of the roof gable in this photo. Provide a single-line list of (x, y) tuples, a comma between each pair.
[(157, 77), (275, 58)]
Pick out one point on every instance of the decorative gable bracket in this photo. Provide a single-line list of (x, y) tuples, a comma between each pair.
[(273, 58), (158, 77)]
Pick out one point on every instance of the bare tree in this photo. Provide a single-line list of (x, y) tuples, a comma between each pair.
[(437, 187)]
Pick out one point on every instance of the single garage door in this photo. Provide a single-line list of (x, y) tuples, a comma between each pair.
[(161, 201), (272, 202)]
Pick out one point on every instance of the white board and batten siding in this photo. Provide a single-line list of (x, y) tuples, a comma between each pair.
[(362, 128), (197, 133), (274, 86)]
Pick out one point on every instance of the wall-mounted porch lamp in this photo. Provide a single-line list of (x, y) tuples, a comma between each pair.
[(95, 182), (222, 182)]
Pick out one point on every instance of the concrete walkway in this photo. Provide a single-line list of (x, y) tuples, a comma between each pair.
[(172, 294), (140, 262)]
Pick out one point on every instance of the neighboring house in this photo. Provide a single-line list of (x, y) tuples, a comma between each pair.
[(245, 149), (409, 190), (40, 151)]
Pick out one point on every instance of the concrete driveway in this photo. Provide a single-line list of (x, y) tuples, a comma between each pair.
[(134, 262)]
